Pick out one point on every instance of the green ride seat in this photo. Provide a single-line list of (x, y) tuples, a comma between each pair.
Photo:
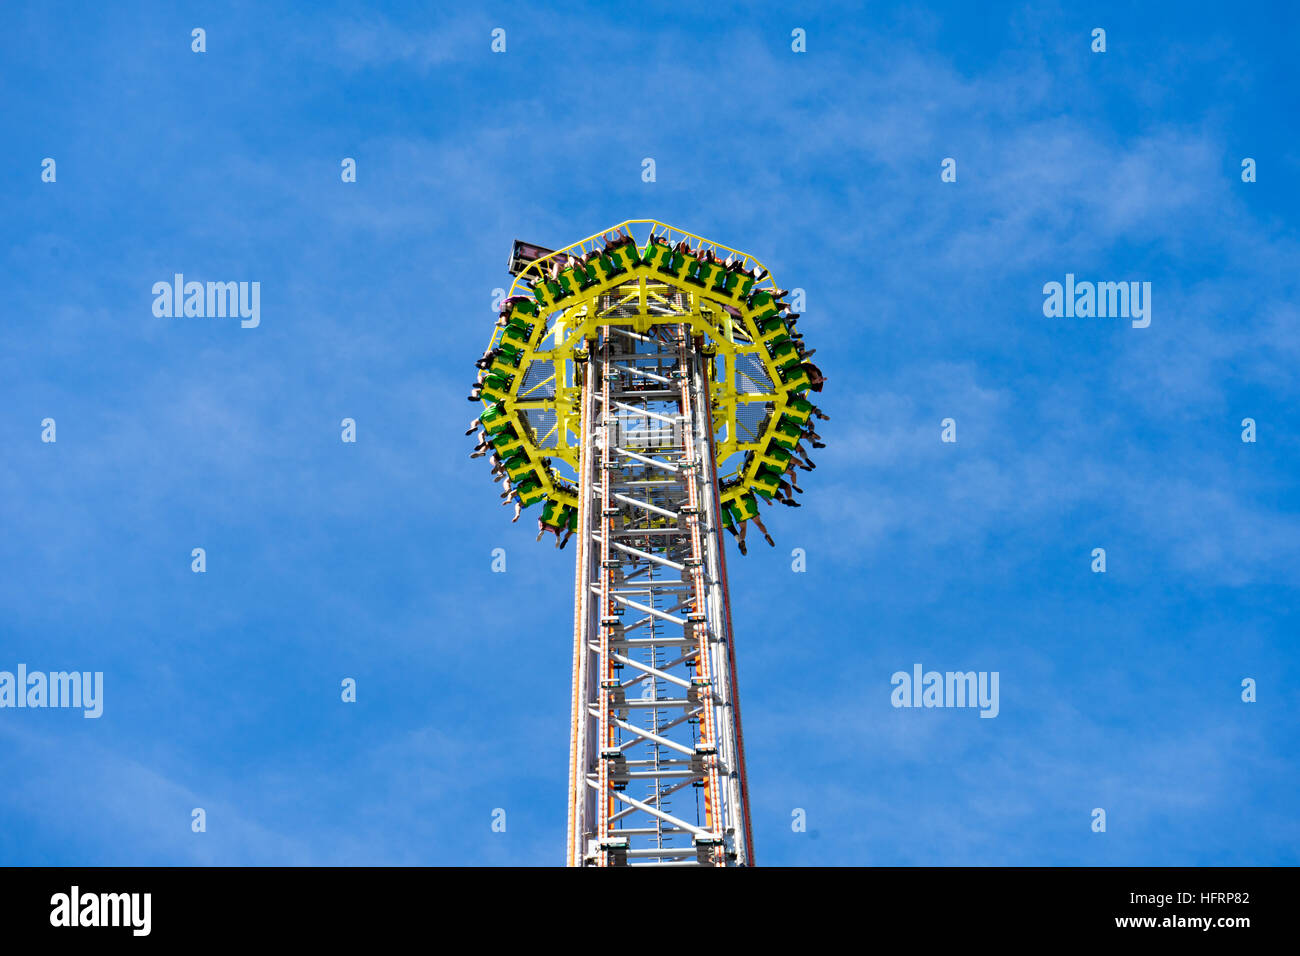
[(522, 323), (518, 335), (795, 380), (683, 263), (737, 284), (553, 513), (507, 363), (571, 279), (505, 444), (530, 491), (559, 516), (521, 309), (518, 467), (786, 421), (763, 305), (494, 419), (706, 274), (588, 275), (601, 268), (766, 482), (657, 255), (745, 507), (496, 388), (787, 434), (772, 330), (609, 268), (625, 256), (798, 409), (547, 292), (720, 279), (776, 458), (785, 354)]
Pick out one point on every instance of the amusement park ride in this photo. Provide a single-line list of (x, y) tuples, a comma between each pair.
[(648, 389)]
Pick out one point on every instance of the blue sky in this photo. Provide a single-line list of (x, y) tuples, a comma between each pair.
[(924, 299)]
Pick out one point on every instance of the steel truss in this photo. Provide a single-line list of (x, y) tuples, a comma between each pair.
[(657, 774)]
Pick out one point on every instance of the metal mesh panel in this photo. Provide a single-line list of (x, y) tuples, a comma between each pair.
[(751, 376), (542, 421), (537, 373), (750, 418)]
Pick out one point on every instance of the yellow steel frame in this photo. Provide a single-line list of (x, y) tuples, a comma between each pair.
[(576, 320)]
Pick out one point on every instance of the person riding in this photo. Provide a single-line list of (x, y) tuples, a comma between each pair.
[(737, 513), (558, 519)]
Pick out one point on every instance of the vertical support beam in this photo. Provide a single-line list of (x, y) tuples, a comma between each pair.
[(580, 796)]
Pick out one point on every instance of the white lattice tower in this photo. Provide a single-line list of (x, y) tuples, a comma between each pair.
[(657, 773)]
